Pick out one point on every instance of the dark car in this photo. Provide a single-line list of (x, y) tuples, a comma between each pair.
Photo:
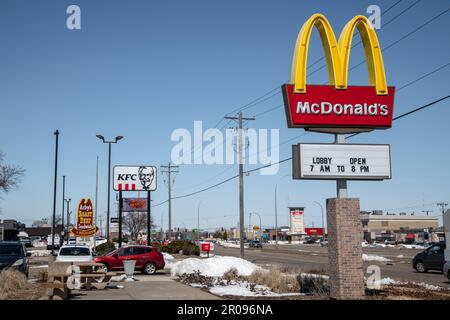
[(431, 258), (255, 244), (148, 259), (13, 255)]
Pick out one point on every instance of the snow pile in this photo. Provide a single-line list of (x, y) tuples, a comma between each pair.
[(37, 243), (168, 259), (232, 245), (39, 266), (400, 256), (429, 286), (40, 253), (412, 246), (213, 267), (246, 289), (371, 257), (118, 278)]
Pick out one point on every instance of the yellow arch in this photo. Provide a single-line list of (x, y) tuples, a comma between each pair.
[(338, 54)]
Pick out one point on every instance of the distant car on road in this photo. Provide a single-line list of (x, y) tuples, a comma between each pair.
[(73, 253), (432, 258), (26, 241), (447, 270), (323, 242), (13, 255), (72, 241), (255, 244), (148, 259)]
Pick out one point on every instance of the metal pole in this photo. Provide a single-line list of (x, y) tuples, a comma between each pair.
[(323, 219), (96, 197), (120, 219), (56, 133), (62, 212), (109, 190), (68, 216), (341, 184), (149, 218), (276, 217), (241, 188), (170, 202), (198, 221)]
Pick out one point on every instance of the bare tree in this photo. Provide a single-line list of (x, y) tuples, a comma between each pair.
[(9, 175), (135, 222), (40, 223)]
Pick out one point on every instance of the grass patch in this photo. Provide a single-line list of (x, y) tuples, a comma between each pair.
[(275, 279), (11, 282)]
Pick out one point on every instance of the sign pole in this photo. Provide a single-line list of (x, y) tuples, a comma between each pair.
[(341, 184), (149, 217), (120, 219)]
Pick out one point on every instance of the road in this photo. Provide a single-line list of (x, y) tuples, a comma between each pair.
[(313, 257)]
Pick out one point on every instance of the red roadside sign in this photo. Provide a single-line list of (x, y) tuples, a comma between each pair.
[(325, 108)]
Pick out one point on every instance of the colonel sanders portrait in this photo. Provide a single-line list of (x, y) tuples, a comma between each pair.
[(146, 176)]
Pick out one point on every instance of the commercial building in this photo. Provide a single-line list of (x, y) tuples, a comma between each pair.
[(398, 227), (9, 230)]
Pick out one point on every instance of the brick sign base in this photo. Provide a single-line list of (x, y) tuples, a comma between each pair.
[(344, 249)]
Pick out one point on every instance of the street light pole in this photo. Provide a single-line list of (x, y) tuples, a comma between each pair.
[(56, 133), (63, 235), (276, 210), (99, 136), (198, 221), (323, 220), (68, 214), (260, 224)]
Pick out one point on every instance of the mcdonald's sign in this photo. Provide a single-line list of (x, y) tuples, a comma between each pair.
[(337, 107)]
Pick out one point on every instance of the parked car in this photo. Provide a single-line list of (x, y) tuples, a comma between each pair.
[(26, 241), (148, 259), (432, 258), (74, 253), (13, 255), (447, 270), (323, 242), (255, 244)]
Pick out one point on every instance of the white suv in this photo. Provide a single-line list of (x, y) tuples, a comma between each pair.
[(74, 253)]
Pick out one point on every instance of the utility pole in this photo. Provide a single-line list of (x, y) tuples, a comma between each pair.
[(101, 224), (443, 206), (169, 169), (240, 120), (427, 211)]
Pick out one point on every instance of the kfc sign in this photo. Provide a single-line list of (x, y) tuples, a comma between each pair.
[(134, 178), (338, 108)]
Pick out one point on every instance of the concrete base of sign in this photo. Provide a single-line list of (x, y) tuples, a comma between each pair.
[(344, 249)]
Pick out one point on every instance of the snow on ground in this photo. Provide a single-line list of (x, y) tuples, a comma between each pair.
[(39, 266), (371, 257), (213, 267), (40, 253), (390, 281), (412, 246), (243, 289), (168, 259), (232, 245)]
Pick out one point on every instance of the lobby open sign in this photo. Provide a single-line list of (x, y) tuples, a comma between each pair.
[(341, 161)]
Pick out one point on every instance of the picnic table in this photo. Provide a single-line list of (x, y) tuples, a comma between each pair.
[(81, 274)]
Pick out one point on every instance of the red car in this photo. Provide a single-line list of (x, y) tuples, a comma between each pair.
[(148, 259)]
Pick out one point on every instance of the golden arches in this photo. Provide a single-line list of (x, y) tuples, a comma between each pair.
[(337, 54)]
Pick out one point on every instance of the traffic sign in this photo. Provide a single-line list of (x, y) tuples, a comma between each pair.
[(341, 161)]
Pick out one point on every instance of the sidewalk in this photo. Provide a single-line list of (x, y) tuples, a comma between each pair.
[(159, 286)]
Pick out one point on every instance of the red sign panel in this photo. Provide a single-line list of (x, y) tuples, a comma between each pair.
[(314, 231), (322, 106), (206, 246)]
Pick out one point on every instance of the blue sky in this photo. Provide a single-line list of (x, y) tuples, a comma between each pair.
[(142, 69)]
